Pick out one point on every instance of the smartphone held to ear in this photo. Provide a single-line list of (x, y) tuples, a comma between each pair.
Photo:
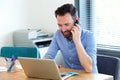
[(77, 20)]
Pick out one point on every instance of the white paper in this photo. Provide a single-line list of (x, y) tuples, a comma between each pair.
[(3, 68)]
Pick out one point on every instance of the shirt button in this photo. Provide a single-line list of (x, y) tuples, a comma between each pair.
[(72, 65)]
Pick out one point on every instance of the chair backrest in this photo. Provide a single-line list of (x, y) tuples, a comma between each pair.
[(109, 65), (20, 52)]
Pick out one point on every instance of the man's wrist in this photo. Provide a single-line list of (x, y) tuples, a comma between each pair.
[(78, 44)]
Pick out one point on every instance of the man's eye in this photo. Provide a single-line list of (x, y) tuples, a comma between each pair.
[(66, 24), (59, 25)]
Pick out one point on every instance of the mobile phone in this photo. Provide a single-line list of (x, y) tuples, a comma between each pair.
[(76, 22)]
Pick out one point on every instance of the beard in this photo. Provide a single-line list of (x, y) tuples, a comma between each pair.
[(67, 34)]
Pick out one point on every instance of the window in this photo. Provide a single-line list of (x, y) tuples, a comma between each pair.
[(107, 22), (102, 17)]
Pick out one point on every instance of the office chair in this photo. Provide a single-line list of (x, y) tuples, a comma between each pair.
[(19, 51), (109, 65)]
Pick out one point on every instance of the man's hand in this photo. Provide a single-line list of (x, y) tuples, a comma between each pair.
[(76, 33), (59, 66)]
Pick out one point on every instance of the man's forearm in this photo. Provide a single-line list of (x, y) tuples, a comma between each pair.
[(84, 58)]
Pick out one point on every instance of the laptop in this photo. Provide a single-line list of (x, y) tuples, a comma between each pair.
[(42, 68)]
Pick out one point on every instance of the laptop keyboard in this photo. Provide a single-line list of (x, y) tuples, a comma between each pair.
[(67, 74), (63, 74)]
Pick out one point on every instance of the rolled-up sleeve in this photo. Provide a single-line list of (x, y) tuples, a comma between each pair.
[(91, 49)]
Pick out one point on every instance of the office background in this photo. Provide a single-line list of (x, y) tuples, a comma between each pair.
[(26, 14), (29, 14)]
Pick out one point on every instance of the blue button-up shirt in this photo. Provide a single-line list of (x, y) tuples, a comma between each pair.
[(69, 52)]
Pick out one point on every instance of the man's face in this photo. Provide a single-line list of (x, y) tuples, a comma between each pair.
[(65, 24)]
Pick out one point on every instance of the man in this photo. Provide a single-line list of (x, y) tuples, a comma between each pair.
[(76, 44)]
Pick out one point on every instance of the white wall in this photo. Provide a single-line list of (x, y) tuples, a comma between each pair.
[(24, 14)]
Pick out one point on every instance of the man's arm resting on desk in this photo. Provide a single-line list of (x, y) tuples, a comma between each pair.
[(85, 60)]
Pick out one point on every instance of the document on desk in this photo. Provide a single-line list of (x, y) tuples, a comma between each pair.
[(3, 68)]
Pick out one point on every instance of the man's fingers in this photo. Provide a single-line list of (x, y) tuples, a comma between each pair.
[(59, 66)]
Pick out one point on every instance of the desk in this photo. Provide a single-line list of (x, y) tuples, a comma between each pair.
[(19, 75)]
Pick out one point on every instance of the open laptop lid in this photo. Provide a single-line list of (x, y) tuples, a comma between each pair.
[(40, 68)]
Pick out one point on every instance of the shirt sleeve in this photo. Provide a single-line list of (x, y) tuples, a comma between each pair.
[(91, 47), (53, 48)]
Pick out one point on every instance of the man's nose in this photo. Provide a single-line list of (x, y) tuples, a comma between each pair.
[(63, 28)]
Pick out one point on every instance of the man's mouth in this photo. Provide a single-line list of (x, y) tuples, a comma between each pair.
[(67, 34)]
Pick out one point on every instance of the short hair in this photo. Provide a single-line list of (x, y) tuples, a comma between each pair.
[(66, 8)]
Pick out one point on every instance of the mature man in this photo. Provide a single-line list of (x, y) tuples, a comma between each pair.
[(76, 44)]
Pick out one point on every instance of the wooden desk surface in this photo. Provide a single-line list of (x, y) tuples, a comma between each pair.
[(19, 74)]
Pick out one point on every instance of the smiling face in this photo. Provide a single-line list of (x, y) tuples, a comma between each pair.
[(65, 24)]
